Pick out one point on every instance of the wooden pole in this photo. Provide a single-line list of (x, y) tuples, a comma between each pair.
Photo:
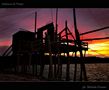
[(75, 69), (56, 20), (50, 75), (35, 22), (68, 62), (41, 65), (41, 54), (55, 66), (17, 66), (59, 70), (55, 42), (78, 42), (36, 61)]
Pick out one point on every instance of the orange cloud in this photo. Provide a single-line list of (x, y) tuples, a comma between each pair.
[(5, 43), (99, 48)]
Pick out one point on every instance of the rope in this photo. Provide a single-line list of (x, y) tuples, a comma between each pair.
[(95, 19)]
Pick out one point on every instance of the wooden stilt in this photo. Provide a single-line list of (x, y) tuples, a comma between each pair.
[(36, 61), (33, 66), (29, 63), (83, 69), (55, 68), (18, 59), (75, 69), (60, 76), (50, 75), (78, 42), (59, 68), (41, 65), (68, 62)]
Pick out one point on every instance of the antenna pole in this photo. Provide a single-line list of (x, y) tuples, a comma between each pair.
[(78, 42), (56, 20), (75, 26), (35, 22), (68, 63)]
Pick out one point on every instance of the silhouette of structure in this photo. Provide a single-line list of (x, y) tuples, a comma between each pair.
[(45, 46)]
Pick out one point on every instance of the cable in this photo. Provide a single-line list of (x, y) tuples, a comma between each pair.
[(5, 30), (12, 24), (17, 14), (95, 19)]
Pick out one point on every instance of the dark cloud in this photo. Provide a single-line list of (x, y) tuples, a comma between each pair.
[(11, 19)]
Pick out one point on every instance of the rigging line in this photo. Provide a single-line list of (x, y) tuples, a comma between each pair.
[(6, 28), (18, 14), (56, 20), (17, 19), (96, 29), (71, 33), (92, 31), (97, 22), (73, 26), (35, 22), (25, 16), (95, 19)]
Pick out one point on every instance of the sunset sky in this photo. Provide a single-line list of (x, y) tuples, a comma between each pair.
[(11, 19)]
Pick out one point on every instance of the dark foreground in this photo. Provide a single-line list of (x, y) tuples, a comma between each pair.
[(97, 69)]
